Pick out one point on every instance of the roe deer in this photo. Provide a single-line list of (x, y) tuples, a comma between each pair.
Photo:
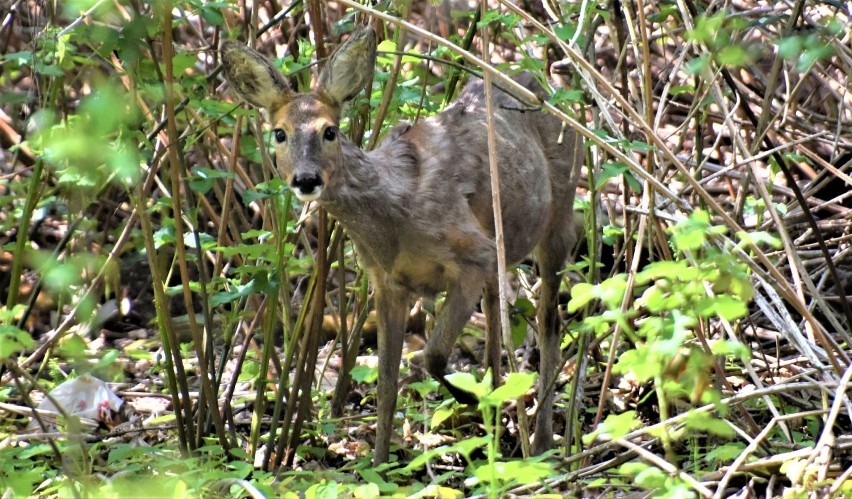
[(419, 206)]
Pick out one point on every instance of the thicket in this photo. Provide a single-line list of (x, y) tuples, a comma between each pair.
[(147, 241)]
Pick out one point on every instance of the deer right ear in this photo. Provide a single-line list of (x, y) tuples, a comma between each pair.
[(252, 77), (351, 67)]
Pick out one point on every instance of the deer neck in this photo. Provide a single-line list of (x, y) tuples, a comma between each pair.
[(371, 195), (372, 184)]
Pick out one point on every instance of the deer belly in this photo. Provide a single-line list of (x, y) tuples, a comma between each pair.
[(423, 276)]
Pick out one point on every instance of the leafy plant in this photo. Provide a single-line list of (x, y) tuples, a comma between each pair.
[(671, 349), (495, 475)]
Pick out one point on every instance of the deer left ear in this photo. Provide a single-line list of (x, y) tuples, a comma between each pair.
[(252, 77), (350, 68)]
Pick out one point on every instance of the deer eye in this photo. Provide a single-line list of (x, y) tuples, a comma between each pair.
[(280, 135), (330, 133)]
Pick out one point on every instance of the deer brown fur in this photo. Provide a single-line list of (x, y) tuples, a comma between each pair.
[(419, 206)]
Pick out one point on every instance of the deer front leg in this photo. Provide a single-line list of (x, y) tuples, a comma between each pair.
[(493, 331), (391, 312), (458, 307)]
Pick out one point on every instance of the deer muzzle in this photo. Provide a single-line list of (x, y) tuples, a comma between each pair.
[(307, 186)]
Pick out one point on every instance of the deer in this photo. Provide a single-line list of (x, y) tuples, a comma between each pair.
[(418, 207)]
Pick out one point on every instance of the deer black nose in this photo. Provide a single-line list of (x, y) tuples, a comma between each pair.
[(306, 183)]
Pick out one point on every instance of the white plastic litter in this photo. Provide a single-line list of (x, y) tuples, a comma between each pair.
[(84, 396)]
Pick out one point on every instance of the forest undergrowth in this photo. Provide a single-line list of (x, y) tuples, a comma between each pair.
[(148, 242)]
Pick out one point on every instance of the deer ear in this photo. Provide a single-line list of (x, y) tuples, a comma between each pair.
[(351, 67), (252, 77)]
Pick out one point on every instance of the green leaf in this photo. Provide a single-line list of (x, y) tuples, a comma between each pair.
[(468, 445), (707, 29), (565, 32), (378, 483), (207, 241), (614, 426), (466, 382), (664, 12), (701, 421), (611, 292), (212, 16), (813, 53), (263, 251), (562, 96), (272, 188), (735, 55), (699, 65), (730, 348), (638, 145), (681, 89), (367, 491), (725, 306), (524, 307), (725, 453), (519, 331), (202, 179), (581, 294), (632, 468), (493, 15), (183, 61), (13, 340), (18, 58), (107, 359), (386, 45), (789, 48), (651, 478), (49, 70), (238, 291), (609, 170), (521, 312), (440, 415), (517, 384), (515, 472), (666, 269), (692, 233), (758, 238), (640, 363), (386, 59), (261, 235), (364, 374)]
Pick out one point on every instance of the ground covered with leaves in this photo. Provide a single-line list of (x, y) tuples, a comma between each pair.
[(173, 322)]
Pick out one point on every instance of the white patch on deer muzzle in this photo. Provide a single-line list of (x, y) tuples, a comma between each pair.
[(307, 197)]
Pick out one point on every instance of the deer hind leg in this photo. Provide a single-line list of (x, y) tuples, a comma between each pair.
[(458, 307), (552, 252), (391, 313)]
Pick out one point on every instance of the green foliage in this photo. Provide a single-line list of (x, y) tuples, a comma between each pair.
[(722, 34), (12, 338), (521, 315), (654, 479), (613, 169), (495, 475), (806, 50), (157, 471), (614, 426), (96, 145), (676, 298), (707, 282)]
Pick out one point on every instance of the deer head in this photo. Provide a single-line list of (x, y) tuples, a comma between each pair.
[(306, 126)]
